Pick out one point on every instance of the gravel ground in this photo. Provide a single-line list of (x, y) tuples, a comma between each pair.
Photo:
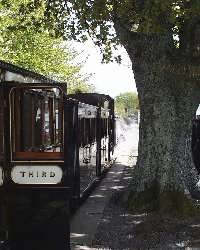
[(121, 230)]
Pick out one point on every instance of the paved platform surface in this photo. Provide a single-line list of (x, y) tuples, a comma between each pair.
[(85, 222), (87, 218)]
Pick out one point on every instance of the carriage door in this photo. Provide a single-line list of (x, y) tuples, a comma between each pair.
[(87, 123), (36, 133)]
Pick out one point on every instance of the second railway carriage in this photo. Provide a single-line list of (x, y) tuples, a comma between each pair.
[(95, 138)]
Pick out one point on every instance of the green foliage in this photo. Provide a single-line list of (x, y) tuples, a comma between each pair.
[(80, 86), (32, 46), (126, 104), (98, 18), (40, 15)]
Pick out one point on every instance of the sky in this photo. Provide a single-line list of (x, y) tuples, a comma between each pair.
[(112, 78)]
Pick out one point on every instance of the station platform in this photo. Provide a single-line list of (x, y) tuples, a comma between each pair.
[(85, 222), (88, 217)]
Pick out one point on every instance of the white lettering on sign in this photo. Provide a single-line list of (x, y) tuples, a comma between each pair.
[(1, 176), (37, 174)]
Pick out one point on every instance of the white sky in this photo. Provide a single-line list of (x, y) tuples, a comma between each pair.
[(112, 78), (198, 111)]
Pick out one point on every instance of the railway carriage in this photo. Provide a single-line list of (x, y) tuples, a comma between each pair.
[(53, 148), (49, 138), (95, 138)]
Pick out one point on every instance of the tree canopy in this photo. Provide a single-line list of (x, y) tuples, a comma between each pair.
[(40, 15), (100, 17), (113, 22)]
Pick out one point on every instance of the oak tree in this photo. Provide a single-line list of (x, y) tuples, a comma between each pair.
[(162, 39)]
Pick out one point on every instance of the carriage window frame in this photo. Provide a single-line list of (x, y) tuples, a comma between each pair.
[(27, 156), (86, 113)]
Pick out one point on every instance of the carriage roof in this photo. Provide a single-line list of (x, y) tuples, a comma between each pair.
[(93, 99), (10, 72)]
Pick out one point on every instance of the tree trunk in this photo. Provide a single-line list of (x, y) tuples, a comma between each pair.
[(165, 166), (167, 110), (168, 104)]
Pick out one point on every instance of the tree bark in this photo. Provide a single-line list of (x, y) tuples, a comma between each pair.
[(167, 108), (168, 104)]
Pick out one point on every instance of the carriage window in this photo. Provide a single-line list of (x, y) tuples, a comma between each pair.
[(87, 124), (36, 123)]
